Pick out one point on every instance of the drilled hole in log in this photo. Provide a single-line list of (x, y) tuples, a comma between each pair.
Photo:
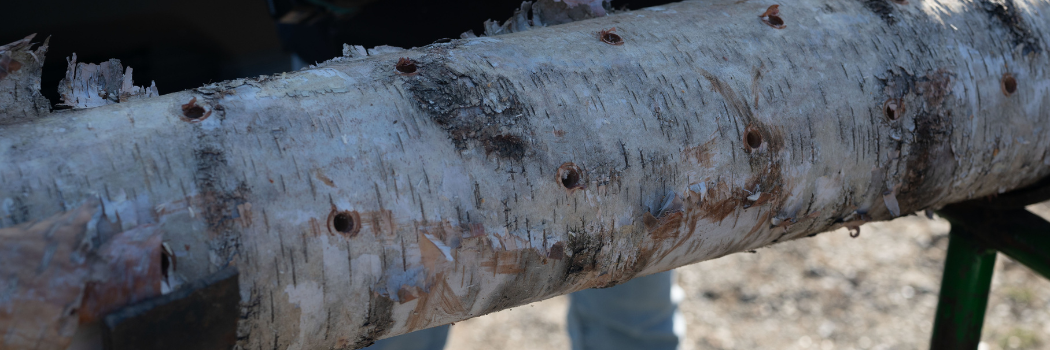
[(570, 179), (753, 138), (610, 38), (775, 22), (193, 112), (570, 176), (1008, 84), (344, 222), (405, 66), (893, 109), (772, 17)]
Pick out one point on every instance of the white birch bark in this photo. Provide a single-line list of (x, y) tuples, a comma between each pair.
[(359, 203)]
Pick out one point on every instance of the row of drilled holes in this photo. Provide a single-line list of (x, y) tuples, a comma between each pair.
[(569, 175), (893, 108)]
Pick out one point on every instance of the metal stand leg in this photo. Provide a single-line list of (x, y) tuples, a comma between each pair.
[(1021, 235), (979, 229), (964, 292)]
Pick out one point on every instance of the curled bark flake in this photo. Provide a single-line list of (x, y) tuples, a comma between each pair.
[(772, 17), (672, 203), (759, 198), (890, 200), (772, 10)]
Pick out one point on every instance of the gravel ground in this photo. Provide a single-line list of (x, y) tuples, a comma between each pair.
[(877, 291)]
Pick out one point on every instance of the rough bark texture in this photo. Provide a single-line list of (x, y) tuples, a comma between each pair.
[(89, 85), (20, 98), (360, 202)]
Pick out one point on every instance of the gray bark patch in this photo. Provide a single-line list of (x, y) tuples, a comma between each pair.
[(883, 8), (476, 109), (511, 292), (1006, 12), (220, 202), (379, 321), (585, 248), (929, 162), (218, 198), (211, 166)]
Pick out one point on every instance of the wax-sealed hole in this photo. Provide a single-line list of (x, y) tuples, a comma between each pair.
[(405, 66), (893, 109), (570, 176), (609, 37), (1009, 84), (344, 222), (753, 138)]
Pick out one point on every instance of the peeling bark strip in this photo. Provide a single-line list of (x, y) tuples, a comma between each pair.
[(360, 202), (56, 273), (88, 85)]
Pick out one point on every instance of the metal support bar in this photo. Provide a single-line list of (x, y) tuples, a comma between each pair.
[(964, 292), (201, 315), (1021, 235), (981, 227)]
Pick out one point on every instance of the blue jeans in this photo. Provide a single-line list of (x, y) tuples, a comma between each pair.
[(639, 314)]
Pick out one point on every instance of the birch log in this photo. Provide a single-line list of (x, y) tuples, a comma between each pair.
[(360, 202)]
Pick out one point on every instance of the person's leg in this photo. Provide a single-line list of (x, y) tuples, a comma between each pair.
[(426, 339), (639, 314)]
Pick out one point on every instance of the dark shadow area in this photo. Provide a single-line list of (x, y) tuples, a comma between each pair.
[(185, 44)]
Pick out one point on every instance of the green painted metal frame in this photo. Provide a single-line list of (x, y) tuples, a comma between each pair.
[(980, 228), (964, 293)]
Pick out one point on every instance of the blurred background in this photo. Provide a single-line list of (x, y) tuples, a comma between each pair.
[(877, 291), (183, 44)]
